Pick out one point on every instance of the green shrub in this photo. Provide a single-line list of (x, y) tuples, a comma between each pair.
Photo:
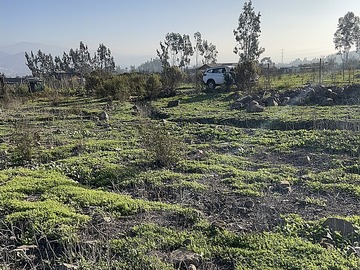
[(24, 140), (152, 86), (116, 87), (171, 77), (136, 84), (161, 146), (244, 74)]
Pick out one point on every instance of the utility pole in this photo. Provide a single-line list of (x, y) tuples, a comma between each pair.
[(282, 56), (268, 75), (320, 72)]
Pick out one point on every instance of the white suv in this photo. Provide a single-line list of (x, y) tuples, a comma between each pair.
[(215, 76)]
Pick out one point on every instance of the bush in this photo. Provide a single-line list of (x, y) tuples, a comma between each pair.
[(245, 75), (228, 81), (117, 87), (24, 140), (171, 77), (161, 147), (152, 86), (137, 84)]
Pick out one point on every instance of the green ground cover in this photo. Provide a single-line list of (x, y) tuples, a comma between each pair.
[(128, 192)]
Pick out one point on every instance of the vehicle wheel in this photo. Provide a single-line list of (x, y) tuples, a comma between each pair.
[(211, 84)]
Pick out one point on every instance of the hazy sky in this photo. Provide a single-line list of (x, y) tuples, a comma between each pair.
[(132, 29)]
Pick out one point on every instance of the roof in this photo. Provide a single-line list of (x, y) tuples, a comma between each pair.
[(213, 65), (20, 80), (13, 80)]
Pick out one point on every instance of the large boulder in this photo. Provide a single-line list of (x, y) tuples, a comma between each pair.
[(241, 103), (327, 102), (339, 225), (271, 101), (245, 100), (285, 101), (254, 106)]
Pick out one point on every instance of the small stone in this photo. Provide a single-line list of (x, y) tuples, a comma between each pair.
[(173, 103), (182, 256), (192, 267), (284, 187), (249, 204), (103, 116), (187, 242), (326, 243)]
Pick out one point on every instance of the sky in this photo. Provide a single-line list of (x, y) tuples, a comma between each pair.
[(132, 29)]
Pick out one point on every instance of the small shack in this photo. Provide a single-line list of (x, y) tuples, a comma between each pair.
[(34, 84)]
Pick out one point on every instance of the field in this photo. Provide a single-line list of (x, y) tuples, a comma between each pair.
[(154, 186)]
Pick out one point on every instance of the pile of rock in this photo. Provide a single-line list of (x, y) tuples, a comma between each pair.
[(318, 95), (254, 103)]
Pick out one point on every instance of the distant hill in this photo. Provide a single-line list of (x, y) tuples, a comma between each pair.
[(30, 46), (12, 57)]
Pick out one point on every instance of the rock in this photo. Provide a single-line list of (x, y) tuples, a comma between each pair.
[(243, 210), (242, 103), (249, 204), (234, 96), (334, 95), (173, 103), (284, 184), (187, 242), (271, 101), (253, 103), (192, 267), (283, 187), (327, 92), (3, 155), (285, 101), (237, 106), (255, 108), (67, 266), (245, 100), (103, 116), (339, 225), (135, 110), (184, 257), (327, 102), (353, 250), (309, 92), (326, 243)]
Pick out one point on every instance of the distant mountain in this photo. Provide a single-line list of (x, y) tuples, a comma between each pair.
[(13, 65), (12, 57), (23, 47), (353, 56)]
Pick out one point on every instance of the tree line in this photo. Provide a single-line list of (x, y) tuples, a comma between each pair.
[(76, 62)]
